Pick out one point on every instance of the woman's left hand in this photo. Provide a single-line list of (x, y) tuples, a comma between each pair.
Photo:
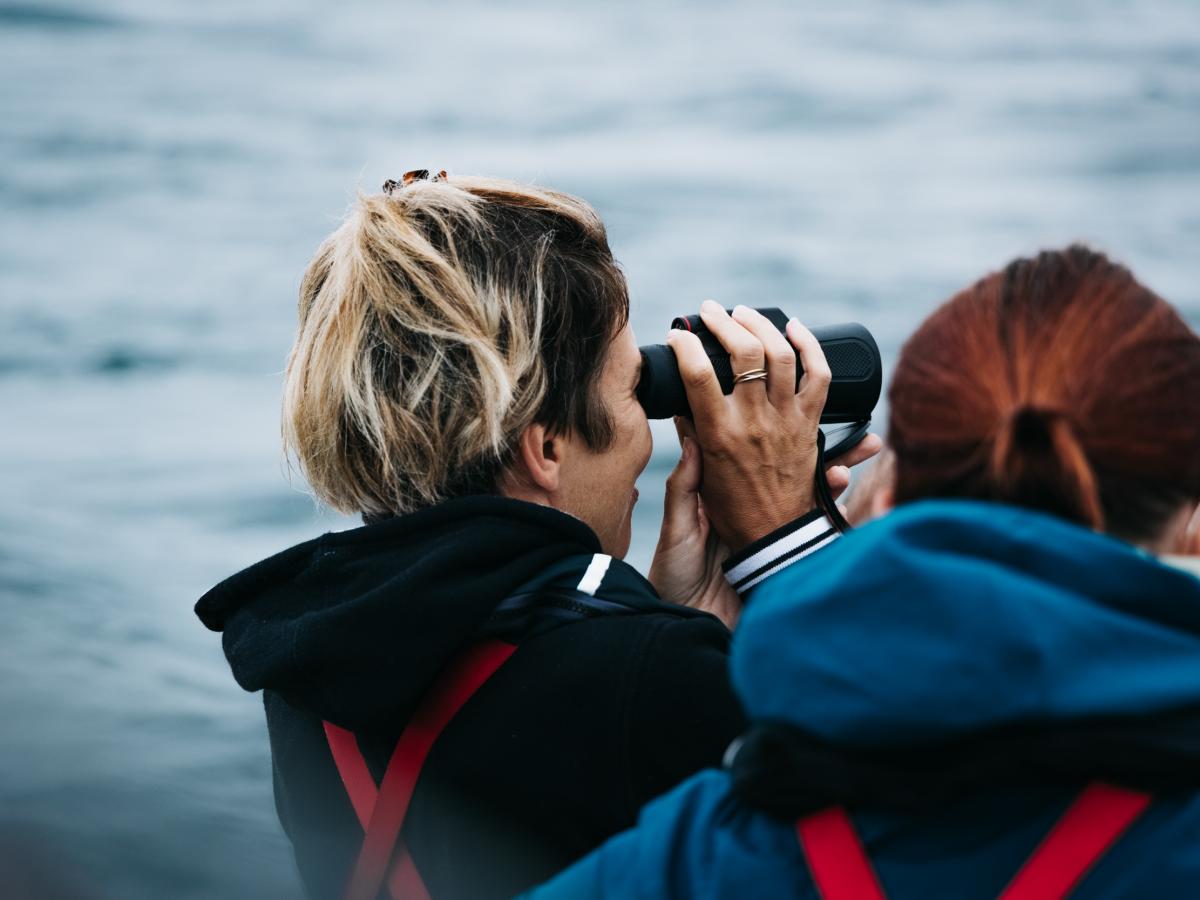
[(687, 562)]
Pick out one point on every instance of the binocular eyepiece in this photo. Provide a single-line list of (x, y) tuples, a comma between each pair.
[(849, 348)]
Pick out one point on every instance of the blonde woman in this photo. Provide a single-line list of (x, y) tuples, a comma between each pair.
[(472, 690)]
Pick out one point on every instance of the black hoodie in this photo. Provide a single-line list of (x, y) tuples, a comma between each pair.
[(557, 751)]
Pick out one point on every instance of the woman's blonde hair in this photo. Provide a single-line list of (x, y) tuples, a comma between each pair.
[(436, 323)]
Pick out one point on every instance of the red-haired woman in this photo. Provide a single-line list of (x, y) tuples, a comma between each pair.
[(994, 690)]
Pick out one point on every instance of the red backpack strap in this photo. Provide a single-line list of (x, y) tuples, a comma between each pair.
[(404, 882), (839, 865), (1086, 831), (356, 778), (382, 812), (1093, 823)]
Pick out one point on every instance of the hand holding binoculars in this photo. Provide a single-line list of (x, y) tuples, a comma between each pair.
[(849, 348)]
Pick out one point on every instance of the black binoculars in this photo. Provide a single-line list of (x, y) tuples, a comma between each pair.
[(849, 348)]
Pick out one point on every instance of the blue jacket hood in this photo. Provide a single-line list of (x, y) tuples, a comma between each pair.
[(950, 617)]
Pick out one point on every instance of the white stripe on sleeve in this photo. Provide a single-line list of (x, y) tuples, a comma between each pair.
[(828, 539), (784, 547), (595, 573)]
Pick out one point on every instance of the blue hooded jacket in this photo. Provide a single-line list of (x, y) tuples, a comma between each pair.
[(944, 621)]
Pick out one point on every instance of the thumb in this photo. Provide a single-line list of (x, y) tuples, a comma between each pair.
[(680, 501)]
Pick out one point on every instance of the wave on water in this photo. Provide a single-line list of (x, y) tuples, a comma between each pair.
[(22, 15)]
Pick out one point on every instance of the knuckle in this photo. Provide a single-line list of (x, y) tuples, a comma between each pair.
[(782, 357), (747, 351), (721, 443), (757, 434), (696, 378)]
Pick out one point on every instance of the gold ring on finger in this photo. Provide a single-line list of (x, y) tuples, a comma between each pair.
[(750, 375)]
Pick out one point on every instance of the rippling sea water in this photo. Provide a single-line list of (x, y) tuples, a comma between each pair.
[(167, 168)]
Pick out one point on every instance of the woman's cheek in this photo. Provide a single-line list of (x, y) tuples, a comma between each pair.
[(644, 438)]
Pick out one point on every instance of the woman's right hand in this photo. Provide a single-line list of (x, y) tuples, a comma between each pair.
[(686, 568), (760, 442)]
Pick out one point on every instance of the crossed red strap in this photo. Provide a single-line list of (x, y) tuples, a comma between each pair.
[(839, 865), (1093, 823), (381, 811)]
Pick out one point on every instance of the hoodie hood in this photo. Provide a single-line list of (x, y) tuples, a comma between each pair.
[(947, 618), (354, 626)]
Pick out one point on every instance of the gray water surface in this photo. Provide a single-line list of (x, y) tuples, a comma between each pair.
[(167, 168)]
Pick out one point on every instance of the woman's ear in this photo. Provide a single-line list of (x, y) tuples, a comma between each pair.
[(538, 459), (873, 496), (883, 500), (1191, 536), (1181, 536)]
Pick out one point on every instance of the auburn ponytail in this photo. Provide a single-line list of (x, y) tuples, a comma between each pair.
[(1059, 384), (1036, 460)]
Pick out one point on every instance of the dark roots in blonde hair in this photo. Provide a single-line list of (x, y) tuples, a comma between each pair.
[(441, 319), (1059, 384)]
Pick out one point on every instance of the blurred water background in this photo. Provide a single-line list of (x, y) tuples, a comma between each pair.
[(167, 168)]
